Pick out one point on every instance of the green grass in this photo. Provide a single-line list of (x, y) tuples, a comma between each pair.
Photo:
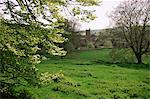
[(89, 75)]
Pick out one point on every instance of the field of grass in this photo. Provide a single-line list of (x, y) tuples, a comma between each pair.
[(89, 75)]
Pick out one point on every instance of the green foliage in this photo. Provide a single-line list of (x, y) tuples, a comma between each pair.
[(147, 58), (71, 34), (47, 78), (25, 39), (122, 56), (21, 91), (20, 47), (49, 10), (89, 2)]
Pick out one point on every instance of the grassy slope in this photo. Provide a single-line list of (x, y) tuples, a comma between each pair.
[(87, 79)]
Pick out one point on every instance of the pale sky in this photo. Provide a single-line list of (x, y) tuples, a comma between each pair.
[(102, 21), (101, 11)]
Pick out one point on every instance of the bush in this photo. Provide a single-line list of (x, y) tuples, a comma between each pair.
[(69, 47), (15, 91), (122, 56), (108, 44), (146, 58), (46, 78)]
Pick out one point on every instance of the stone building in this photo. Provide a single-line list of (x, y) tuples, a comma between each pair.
[(87, 39)]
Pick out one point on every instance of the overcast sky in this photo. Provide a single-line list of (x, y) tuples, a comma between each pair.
[(101, 11), (102, 21)]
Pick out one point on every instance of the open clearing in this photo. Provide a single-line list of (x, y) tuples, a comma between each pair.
[(87, 74)]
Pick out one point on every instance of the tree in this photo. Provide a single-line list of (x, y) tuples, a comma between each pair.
[(72, 34), (26, 28), (20, 47), (117, 39), (102, 38), (132, 17)]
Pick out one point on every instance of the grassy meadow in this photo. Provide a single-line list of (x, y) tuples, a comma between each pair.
[(90, 75)]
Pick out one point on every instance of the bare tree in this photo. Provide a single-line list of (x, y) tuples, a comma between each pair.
[(133, 18)]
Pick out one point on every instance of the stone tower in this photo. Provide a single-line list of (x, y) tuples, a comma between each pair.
[(88, 36)]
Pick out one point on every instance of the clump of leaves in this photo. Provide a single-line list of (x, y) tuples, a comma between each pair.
[(47, 78)]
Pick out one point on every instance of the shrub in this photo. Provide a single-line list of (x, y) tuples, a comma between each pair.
[(122, 56), (46, 78), (69, 47), (15, 91)]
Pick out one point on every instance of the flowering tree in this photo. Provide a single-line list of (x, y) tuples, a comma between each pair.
[(26, 28)]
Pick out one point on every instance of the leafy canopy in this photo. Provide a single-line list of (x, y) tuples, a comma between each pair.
[(27, 29)]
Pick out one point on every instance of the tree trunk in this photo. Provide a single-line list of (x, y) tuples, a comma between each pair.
[(139, 57)]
